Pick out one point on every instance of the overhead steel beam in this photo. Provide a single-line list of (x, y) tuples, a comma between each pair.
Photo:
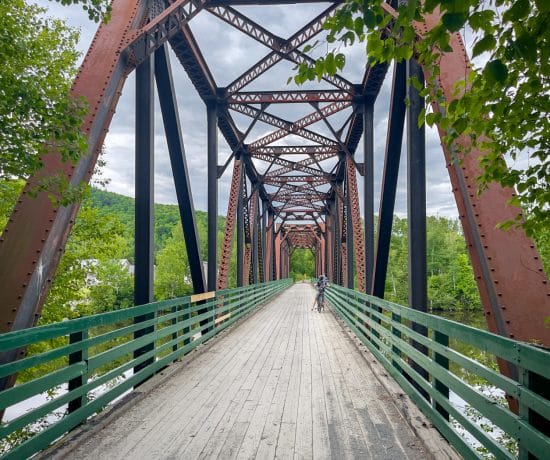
[(297, 127), (286, 127), (295, 150), (288, 97)]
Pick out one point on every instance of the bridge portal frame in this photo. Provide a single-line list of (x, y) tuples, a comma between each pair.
[(34, 238)]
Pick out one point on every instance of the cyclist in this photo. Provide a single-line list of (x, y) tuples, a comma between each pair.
[(321, 285)]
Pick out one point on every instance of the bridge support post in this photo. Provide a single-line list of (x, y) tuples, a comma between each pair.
[(368, 191), (349, 237), (144, 214), (169, 109), (416, 207), (212, 141), (240, 231), (394, 138)]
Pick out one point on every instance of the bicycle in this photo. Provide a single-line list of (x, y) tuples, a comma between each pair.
[(320, 301)]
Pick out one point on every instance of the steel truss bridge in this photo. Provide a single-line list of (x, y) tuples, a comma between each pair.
[(293, 186)]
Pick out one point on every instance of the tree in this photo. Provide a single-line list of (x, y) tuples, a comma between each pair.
[(173, 275), (302, 264), (505, 107), (37, 113), (97, 10)]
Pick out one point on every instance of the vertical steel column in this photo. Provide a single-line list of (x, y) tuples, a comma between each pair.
[(327, 236), (212, 139), (144, 183), (394, 138), (240, 232), (274, 241), (416, 204), (368, 191), (337, 241), (269, 246), (263, 247), (254, 227), (349, 239)]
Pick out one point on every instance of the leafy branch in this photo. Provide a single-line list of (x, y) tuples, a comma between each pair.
[(502, 105)]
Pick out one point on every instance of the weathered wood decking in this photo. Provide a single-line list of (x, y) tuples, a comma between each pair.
[(286, 383)]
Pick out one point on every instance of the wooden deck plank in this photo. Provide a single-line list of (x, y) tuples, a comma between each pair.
[(286, 383)]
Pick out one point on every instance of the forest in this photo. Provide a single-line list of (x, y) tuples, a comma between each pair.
[(94, 275)]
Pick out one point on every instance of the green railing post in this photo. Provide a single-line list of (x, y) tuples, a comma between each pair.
[(186, 330), (146, 348), (523, 412), (174, 321), (77, 382), (397, 333), (442, 339)]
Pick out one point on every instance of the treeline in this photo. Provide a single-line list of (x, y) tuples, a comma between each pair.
[(451, 283), (95, 274)]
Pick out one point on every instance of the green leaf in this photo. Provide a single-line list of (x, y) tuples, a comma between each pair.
[(543, 5), (340, 60), (519, 10), (433, 118), (454, 21), (526, 44), (421, 117), (496, 71), (487, 43), (330, 64), (369, 18)]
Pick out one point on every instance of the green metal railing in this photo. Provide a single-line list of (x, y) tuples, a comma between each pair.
[(100, 351), (387, 330)]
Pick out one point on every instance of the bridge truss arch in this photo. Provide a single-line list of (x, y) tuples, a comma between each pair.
[(296, 185)]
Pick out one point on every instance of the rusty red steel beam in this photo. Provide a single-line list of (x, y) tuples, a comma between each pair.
[(309, 119), (225, 257), (295, 150), (282, 49), (289, 166), (507, 266), (284, 125), (288, 97), (248, 247), (36, 233), (298, 165), (312, 180), (143, 42), (340, 242), (358, 240)]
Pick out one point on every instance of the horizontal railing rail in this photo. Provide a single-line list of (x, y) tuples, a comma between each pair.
[(91, 361), (470, 416)]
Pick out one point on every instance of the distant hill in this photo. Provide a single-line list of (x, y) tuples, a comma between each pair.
[(166, 216)]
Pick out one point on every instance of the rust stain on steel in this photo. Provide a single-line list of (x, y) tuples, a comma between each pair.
[(508, 270), (35, 236), (225, 258)]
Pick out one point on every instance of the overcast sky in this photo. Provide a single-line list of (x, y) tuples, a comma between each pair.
[(228, 53)]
